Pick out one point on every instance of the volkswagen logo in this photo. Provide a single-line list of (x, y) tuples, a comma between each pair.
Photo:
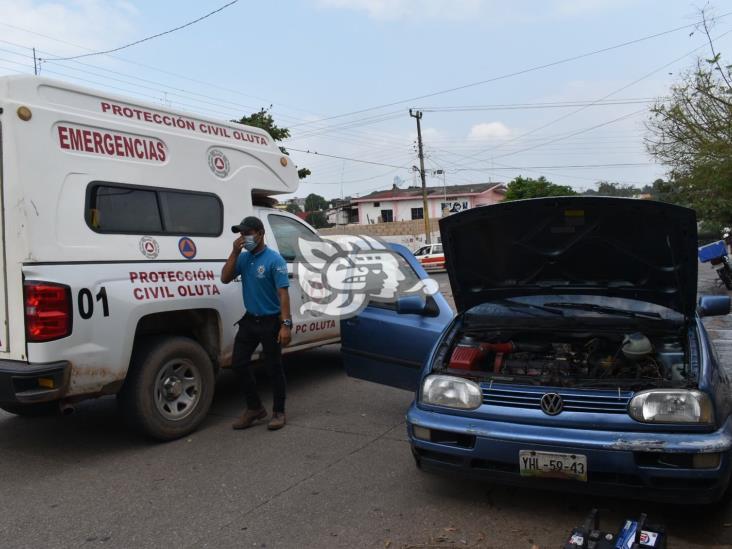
[(551, 404)]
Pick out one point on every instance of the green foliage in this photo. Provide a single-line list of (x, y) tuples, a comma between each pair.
[(317, 219), (660, 190), (691, 132), (263, 119), (526, 187), (293, 208), (315, 203)]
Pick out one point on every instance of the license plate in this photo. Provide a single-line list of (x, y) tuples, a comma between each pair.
[(551, 465)]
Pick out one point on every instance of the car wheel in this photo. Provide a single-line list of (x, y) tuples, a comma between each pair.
[(38, 409), (169, 387)]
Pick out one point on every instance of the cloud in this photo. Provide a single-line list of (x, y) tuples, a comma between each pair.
[(493, 11), (93, 24), (392, 10), (489, 130)]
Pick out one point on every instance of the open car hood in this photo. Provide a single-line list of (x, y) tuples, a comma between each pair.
[(620, 247)]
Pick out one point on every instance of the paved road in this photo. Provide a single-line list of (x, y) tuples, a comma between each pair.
[(339, 475)]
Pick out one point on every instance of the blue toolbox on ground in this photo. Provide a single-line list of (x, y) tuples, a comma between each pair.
[(712, 251)]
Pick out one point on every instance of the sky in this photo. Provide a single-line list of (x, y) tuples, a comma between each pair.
[(505, 88)]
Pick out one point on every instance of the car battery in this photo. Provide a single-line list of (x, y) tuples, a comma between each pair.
[(634, 534), (638, 534)]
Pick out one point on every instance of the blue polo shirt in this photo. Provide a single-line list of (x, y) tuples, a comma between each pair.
[(261, 275)]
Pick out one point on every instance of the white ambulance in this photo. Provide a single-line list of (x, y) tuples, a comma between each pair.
[(115, 225)]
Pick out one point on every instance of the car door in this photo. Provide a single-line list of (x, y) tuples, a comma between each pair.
[(389, 342), (307, 328)]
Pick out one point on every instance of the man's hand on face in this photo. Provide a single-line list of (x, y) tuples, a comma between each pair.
[(284, 337), (238, 245)]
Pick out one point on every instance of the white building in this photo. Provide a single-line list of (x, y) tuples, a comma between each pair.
[(406, 204)]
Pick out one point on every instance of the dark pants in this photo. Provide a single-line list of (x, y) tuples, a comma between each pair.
[(253, 331)]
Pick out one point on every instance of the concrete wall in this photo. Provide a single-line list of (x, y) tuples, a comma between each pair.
[(408, 233)]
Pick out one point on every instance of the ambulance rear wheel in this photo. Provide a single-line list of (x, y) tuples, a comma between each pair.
[(169, 387)]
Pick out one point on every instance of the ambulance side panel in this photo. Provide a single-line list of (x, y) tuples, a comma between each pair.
[(118, 281)]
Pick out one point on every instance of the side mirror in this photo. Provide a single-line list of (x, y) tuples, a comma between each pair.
[(411, 305), (714, 305)]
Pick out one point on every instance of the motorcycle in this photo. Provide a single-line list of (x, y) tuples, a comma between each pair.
[(716, 254)]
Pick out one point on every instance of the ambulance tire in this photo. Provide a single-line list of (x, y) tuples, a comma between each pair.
[(151, 403)]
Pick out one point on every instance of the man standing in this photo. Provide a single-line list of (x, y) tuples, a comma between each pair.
[(267, 319)]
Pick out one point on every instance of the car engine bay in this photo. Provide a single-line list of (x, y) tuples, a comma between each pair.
[(568, 359)]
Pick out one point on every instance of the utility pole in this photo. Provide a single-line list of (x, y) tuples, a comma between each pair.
[(35, 63), (425, 206)]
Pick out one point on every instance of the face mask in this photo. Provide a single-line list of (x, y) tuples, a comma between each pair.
[(249, 243)]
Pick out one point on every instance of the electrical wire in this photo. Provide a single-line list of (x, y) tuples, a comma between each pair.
[(527, 106), (522, 71), (346, 158), (105, 52), (605, 97), (617, 165)]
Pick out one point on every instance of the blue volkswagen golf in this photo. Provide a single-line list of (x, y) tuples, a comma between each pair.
[(577, 359)]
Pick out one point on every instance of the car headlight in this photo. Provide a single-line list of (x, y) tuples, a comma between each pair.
[(453, 392), (671, 406)]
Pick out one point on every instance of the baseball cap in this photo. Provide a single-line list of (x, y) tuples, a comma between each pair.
[(248, 224)]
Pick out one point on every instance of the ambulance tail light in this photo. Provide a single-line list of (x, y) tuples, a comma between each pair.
[(48, 312)]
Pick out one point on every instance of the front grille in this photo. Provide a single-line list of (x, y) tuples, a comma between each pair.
[(517, 396)]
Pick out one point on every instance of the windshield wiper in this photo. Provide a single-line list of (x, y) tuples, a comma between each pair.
[(510, 303), (603, 309)]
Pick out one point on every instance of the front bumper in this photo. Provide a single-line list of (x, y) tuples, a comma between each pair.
[(618, 463), (23, 383)]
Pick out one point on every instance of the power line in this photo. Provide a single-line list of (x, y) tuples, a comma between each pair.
[(104, 52), (605, 97), (157, 69), (617, 165), (347, 158), (520, 72), (585, 130), (526, 106), (348, 182)]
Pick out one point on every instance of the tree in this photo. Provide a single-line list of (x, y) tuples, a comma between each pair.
[(315, 203), (526, 187), (605, 188), (293, 208), (263, 119), (691, 132), (317, 219)]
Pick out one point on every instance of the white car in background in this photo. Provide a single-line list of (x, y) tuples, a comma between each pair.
[(431, 257)]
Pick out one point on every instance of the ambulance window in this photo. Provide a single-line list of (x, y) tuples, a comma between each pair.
[(123, 210), (191, 213), (286, 232), (127, 209)]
